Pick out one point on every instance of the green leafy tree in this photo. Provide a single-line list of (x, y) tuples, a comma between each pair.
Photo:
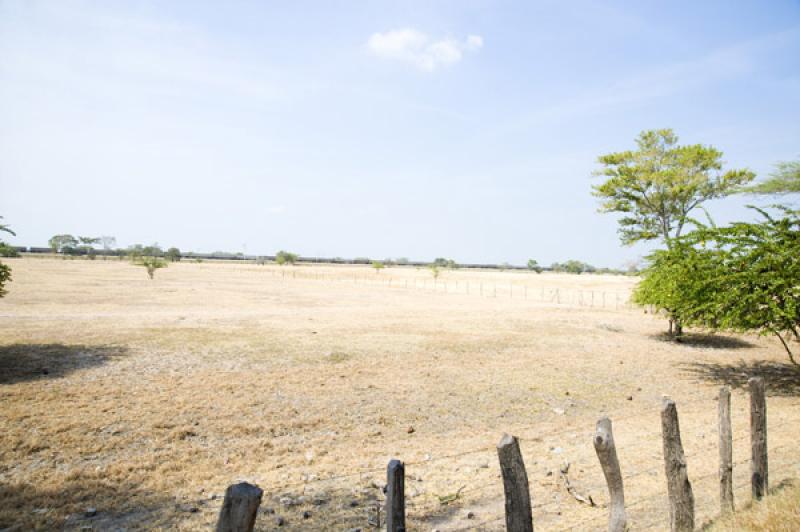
[(657, 186), (151, 264), (784, 180), (63, 244), (534, 266), (5, 271), (435, 271), (441, 262), (742, 278), (173, 254), (378, 265), (87, 244), (284, 257)]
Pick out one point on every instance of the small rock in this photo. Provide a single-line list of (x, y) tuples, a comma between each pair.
[(280, 521), (639, 389), (470, 515), (188, 508), (483, 465), (566, 393), (410, 430), (557, 450), (565, 467), (319, 500), (559, 411), (630, 398), (549, 474), (353, 503), (213, 497), (90, 512), (306, 515), (287, 501), (268, 510)]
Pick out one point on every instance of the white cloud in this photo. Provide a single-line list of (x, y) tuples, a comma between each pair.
[(418, 49)]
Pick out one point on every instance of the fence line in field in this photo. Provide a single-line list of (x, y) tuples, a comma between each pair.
[(488, 289), (521, 511)]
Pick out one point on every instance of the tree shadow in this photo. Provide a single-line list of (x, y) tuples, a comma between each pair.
[(81, 503), (28, 362), (780, 378), (705, 341)]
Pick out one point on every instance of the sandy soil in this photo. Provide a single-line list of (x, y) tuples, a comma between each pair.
[(144, 399)]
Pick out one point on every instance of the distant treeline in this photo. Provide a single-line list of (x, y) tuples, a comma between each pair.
[(567, 267)]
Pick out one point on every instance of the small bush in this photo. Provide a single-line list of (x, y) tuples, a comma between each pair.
[(8, 251), (284, 257), (378, 265), (151, 264)]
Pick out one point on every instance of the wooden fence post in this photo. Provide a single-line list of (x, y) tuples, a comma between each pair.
[(758, 438), (239, 508), (607, 454), (395, 497), (725, 451), (519, 517), (681, 498)]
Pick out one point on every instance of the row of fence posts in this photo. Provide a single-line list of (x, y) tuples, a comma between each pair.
[(553, 293), (240, 506)]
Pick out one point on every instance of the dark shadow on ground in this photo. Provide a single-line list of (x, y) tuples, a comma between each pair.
[(81, 504), (27, 362), (781, 378), (705, 341)]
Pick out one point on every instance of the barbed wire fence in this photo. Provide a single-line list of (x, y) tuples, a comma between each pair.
[(447, 504)]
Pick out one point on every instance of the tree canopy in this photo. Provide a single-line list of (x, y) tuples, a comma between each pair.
[(784, 180), (658, 185), (743, 278)]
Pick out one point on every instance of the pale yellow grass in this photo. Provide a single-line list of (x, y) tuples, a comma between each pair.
[(780, 512), (145, 399)]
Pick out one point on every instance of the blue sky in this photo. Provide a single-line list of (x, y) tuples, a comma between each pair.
[(464, 129)]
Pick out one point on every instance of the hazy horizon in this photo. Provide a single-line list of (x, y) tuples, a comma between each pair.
[(466, 130)]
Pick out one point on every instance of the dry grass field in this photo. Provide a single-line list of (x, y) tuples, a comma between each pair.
[(144, 399)]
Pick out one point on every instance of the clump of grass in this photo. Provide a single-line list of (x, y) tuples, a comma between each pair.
[(777, 512), (337, 357)]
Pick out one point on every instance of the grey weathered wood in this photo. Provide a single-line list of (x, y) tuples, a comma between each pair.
[(681, 498), (759, 470), (725, 452), (239, 508), (519, 517), (607, 454), (395, 497)]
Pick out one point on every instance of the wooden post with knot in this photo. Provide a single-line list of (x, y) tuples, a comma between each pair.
[(519, 517), (681, 497), (725, 452), (758, 437), (607, 454)]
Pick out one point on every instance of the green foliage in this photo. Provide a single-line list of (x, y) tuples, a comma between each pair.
[(378, 265), (534, 266), (441, 262), (151, 264), (284, 257), (657, 186), (173, 254), (402, 261), (573, 266), (65, 243), (784, 180), (5, 277), (435, 271), (742, 278), (8, 251)]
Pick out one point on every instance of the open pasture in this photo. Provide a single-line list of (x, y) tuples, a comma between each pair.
[(144, 399)]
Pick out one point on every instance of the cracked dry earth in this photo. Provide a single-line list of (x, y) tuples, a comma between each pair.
[(132, 404)]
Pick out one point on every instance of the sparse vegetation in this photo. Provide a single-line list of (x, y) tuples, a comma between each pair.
[(284, 257), (173, 254), (534, 266), (441, 262), (573, 266), (65, 243), (435, 271), (151, 264), (377, 265)]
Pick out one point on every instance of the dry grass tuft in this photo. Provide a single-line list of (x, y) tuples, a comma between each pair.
[(780, 512)]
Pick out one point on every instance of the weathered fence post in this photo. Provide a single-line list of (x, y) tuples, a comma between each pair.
[(395, 497), (681, 498), (725, 451), (758, 438), (519, 517), (239, 508), (607, 454)]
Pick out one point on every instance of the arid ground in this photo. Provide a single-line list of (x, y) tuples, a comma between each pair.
[(132, 404)]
